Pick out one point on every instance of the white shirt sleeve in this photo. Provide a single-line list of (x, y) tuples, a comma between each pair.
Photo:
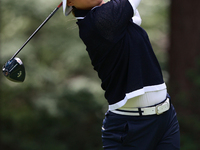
[(136, 18), (134, 4)]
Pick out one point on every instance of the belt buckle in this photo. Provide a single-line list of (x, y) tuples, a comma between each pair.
[(161, 108)]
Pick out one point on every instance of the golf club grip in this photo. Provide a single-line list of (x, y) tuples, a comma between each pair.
[(43, 23)]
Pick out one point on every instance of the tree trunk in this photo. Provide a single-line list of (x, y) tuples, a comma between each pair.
[(184, 64)]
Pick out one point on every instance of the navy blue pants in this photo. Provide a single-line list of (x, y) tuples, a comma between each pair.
[(154, 132)]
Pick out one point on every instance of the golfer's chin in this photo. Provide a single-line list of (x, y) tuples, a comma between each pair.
[(88, 4)]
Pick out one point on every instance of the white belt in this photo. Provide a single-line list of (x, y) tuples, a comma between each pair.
[(158, 109)]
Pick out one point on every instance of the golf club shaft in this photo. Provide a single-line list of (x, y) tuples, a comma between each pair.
[(52, 13)]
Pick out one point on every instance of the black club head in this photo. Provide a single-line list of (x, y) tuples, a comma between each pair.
[(14, 70)]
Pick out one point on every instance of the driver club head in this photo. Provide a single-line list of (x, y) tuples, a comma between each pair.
[(14, 70)]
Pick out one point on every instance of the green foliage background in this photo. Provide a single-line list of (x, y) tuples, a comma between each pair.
[(60, 106)]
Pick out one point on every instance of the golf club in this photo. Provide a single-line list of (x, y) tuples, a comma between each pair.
[(14, 69)]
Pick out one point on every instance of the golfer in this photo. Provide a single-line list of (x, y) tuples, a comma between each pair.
[(140, 114)]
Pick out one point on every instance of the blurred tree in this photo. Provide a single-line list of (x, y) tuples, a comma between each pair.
[(76, 125), (43, 112), (184, 69)]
